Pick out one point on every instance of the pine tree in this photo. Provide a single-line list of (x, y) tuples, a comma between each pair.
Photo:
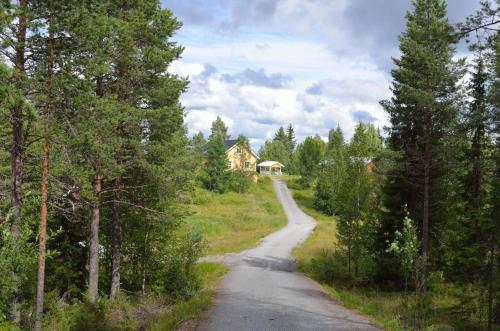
[(422, 112), (290, 135), (492, 226), (217, 164), (42, 239), (220, 128), (198, 142), (281, 136)]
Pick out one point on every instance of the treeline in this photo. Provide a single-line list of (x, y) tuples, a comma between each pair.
[(94, 162), (420, 212)]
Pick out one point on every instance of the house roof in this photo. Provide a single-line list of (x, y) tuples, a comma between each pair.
[(229, 144), (270, 164)]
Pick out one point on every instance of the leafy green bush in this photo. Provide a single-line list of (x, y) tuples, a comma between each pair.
[(177, 276), (239, 182), (330, 267), (17, 265)]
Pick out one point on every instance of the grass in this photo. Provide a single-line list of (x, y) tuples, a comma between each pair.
[(232, 222), (324, 235), (196, 307), (381, 307)]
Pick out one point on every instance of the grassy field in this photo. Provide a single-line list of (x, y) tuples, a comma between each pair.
[(232, 222), (195, 308), (381, 307)]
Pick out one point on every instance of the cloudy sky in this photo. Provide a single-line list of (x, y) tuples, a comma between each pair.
[(261, 64)]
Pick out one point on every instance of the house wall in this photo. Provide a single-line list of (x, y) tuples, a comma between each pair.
[(238, 159)]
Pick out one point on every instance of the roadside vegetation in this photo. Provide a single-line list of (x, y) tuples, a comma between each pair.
[(317, 258), (321, 258), (232, 222)]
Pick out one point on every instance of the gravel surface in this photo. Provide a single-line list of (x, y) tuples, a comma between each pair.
[(262, 292)]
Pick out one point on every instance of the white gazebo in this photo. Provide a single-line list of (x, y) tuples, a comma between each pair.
[(270, 168)]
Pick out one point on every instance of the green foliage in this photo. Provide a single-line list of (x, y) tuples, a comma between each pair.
[(274, 150), (198, 143), (219, 128), (216, 168), (290, 136), (405, 247), (17, 259), (310, 155), (423, 113), (281, 149), (178, 277), (240, 181), (195, 307), (335, 139)]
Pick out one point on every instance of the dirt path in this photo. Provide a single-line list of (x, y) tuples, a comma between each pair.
[(263, 293)]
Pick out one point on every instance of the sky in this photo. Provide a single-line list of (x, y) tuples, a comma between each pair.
[(262, 64)]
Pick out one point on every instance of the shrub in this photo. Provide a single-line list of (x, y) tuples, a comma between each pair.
[(240, 182), (177, 276), (82, 316), (330, 267)]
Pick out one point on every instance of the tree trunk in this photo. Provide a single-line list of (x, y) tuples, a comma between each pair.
[(94, 237), (425, 218), (16, 152), (44, 185), (116, 238)]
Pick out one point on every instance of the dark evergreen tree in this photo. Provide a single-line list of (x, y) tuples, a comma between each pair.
[(281, 136), (422, 112), (216, 168), (290, 134)]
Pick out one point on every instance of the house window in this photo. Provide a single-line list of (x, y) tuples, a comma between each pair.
[(229, 164), (248, 164), (239, 150)]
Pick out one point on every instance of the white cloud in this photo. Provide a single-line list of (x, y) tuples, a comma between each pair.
[(265, 63)]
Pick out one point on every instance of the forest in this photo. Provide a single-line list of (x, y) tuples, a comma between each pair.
[(97, 169)]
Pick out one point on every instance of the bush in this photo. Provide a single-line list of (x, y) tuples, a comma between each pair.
[(296, 184), (240, 182), (177, 276), (330, 267)]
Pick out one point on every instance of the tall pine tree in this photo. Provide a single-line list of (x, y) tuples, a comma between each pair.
[(422, 112)]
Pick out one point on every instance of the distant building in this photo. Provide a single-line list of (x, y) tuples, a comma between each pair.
[(239, 156), (270, 168)]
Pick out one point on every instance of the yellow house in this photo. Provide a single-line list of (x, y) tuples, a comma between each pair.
[(239, 156)]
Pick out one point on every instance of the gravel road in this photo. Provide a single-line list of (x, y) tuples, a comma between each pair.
[(262, 292)]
